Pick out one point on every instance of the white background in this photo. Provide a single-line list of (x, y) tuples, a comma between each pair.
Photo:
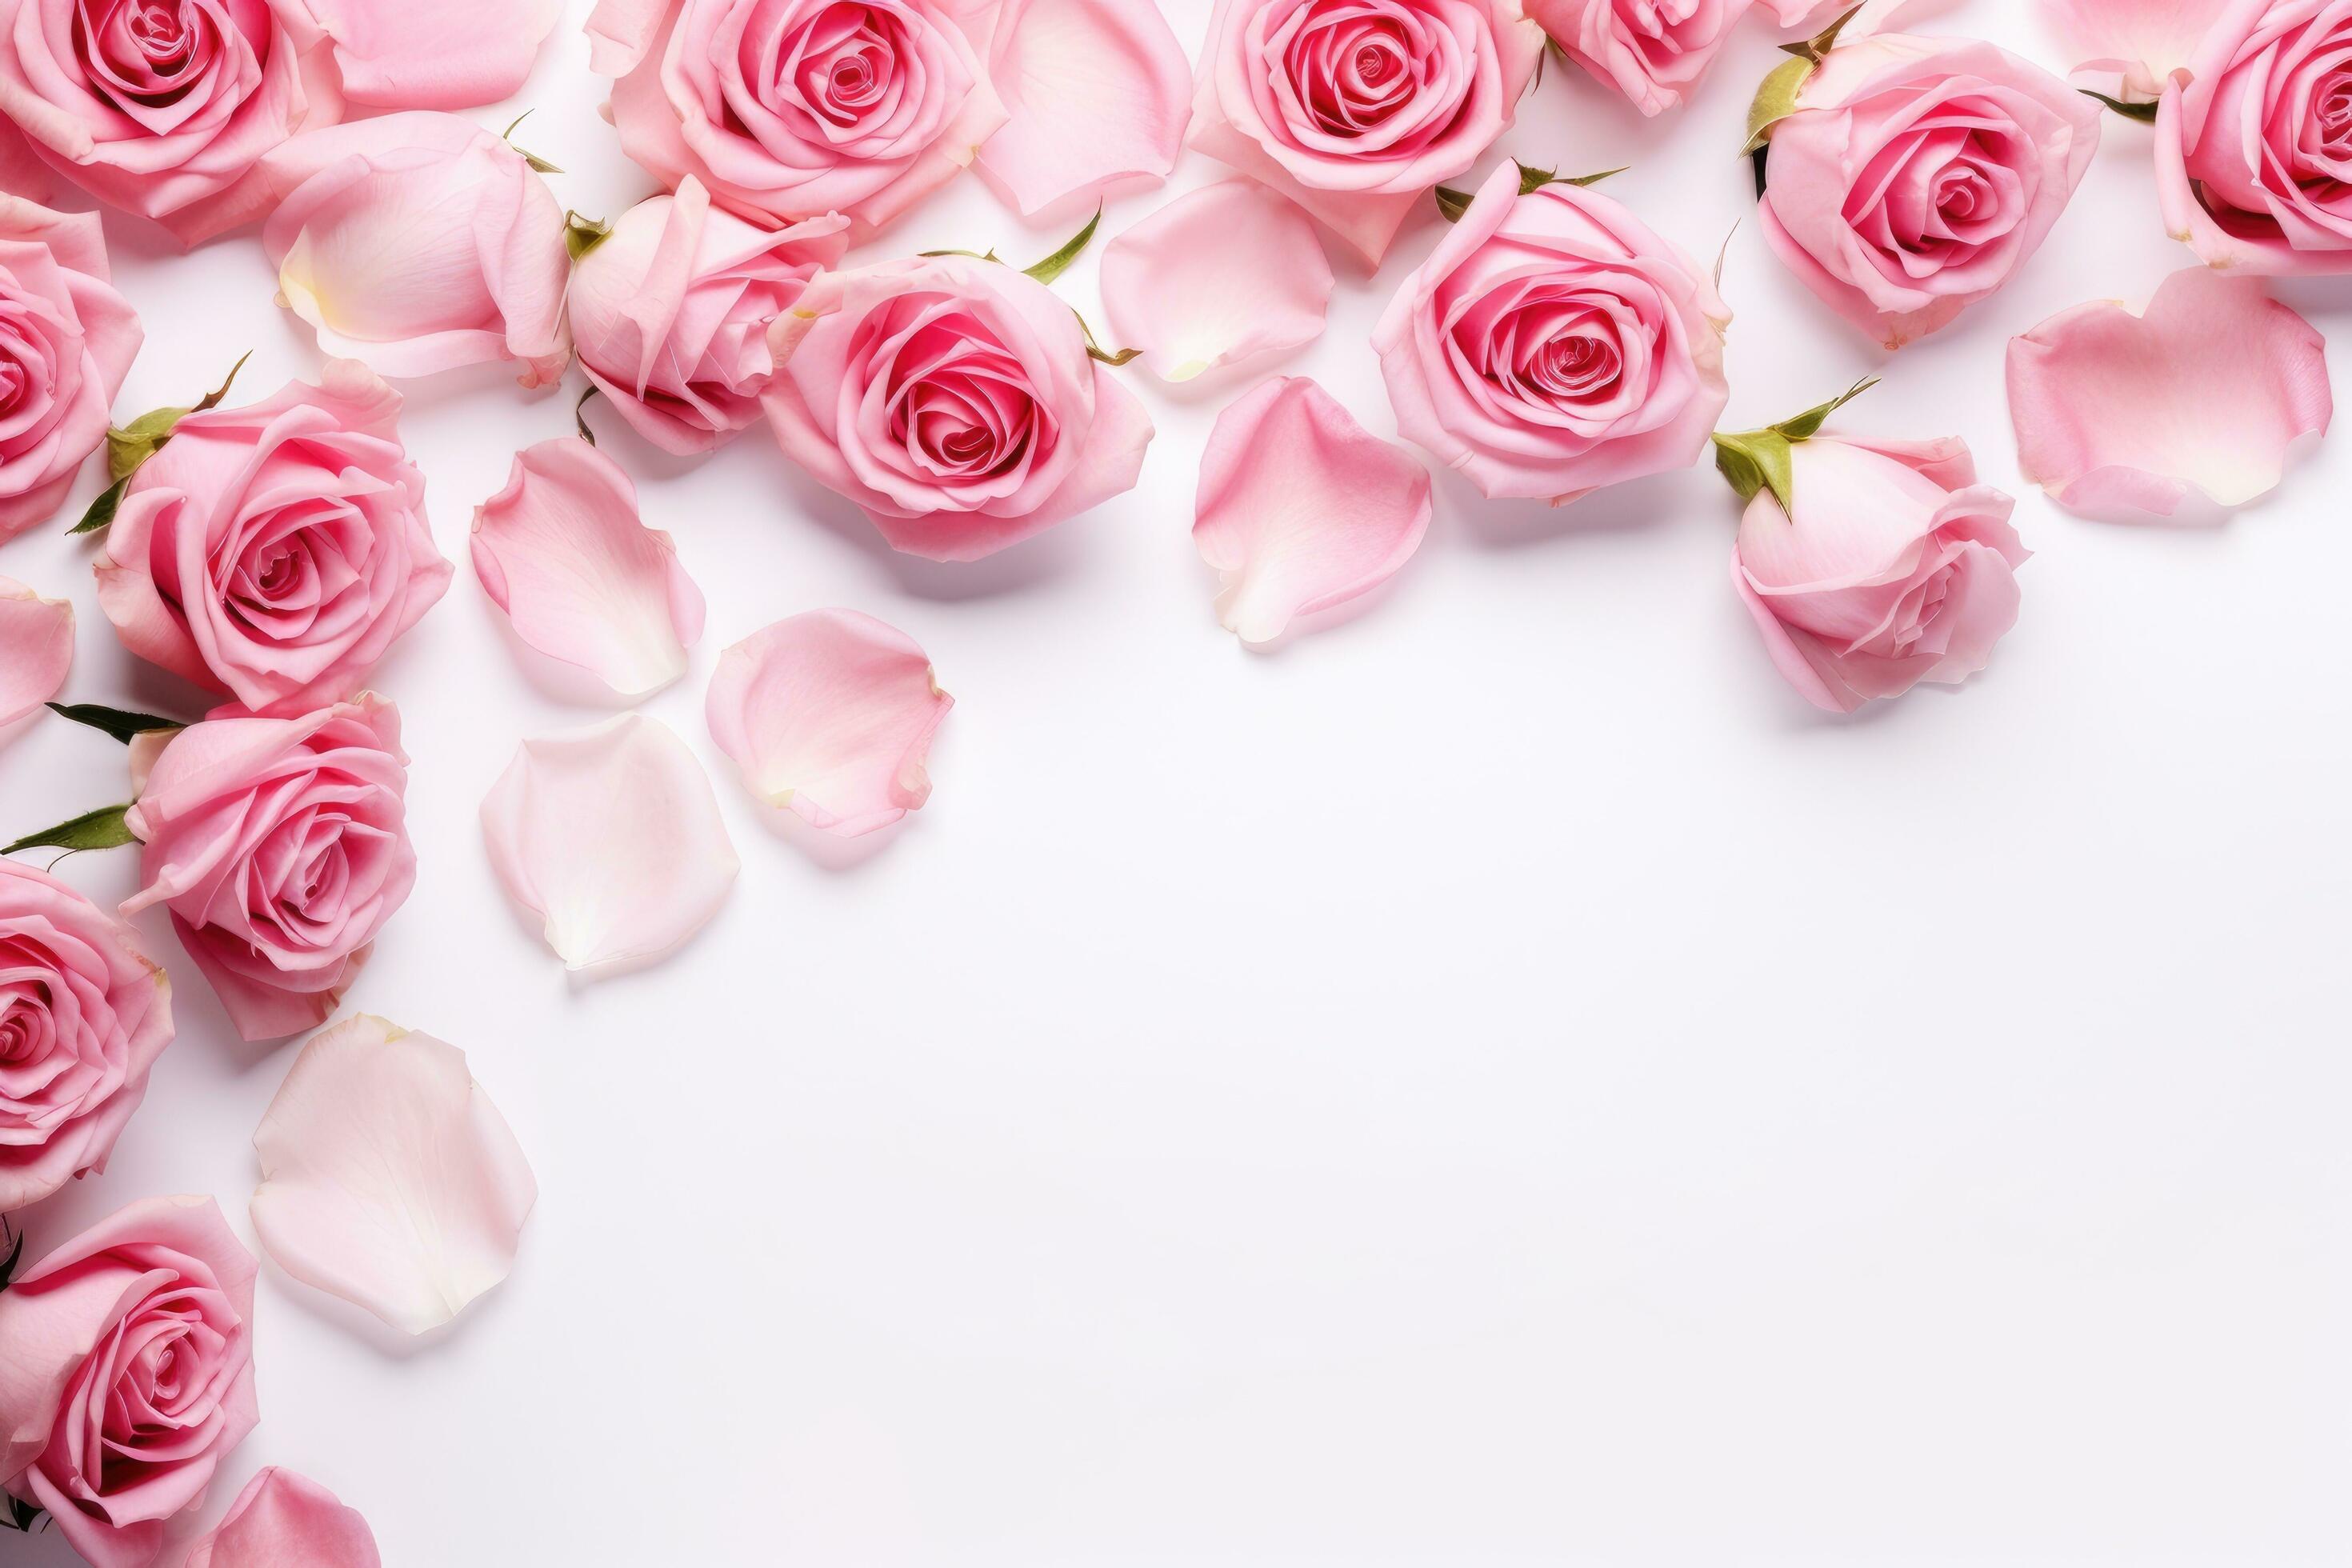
[(1498, 1081)]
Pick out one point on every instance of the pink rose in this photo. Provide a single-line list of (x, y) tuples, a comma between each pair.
[(1653, 51), (792, 109), (1915, 174), (160, 109), (1553, 344), (953, 399), (671, 312), (280, 846), (274, 551), (126, 1373), (417, 243), (1354, 109), (2254, 150), (66, 339), (1896, 567), (83, 1015)]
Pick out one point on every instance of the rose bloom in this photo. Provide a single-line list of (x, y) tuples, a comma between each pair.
[(83, 1015), (274, 551), (280, 846), (1552, 344), (792, 109), (66, 339), (1918, 174), (1354, 109), (128, 1374), (954, 400), (2254, 152), (671, 312), (1899, 567), (417, 243), (160, 109), (1652, 51)]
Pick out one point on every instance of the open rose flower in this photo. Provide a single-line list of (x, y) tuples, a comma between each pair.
[(274, 551), (128, 1374), (417, 243), (1553, 344), (953, 399), (162, 106), (1652, 51), (793, 108), (1354, 109), (1895, 567), (66, 339), (83, 1015), (671, 312), (280, 846), (2253, 151), (1916, 174)]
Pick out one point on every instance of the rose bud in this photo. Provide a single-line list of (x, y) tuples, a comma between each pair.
[(1652, 53)]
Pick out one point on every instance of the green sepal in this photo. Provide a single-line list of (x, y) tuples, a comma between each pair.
[(102, 510), (8, 1265), (22, 1515), (975, 255), (1453, 203), (118, 722), (129, 446), (1094, 351), (2142, 112), (537, 163), (579, 415), (1752, 460), (1053, 265), (105, 829), (1775, 101), (583, 235)]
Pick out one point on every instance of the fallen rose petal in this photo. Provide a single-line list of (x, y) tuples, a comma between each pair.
[(284, 1520), (387, 1177), (829, 715), (611, 836), (1224, 274), (1098, 90), (2205, 388), (35, 650), (432, 54), (1300, 508), (2127, 49), (561, 549)]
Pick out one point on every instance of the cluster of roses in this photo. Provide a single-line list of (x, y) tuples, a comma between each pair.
[(1550, 344)]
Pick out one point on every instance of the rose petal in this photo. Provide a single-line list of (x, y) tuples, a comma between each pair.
[(1300, 508), (284, 1520), (433, 53), (612, 835), (2126, 49), (2205, 388), (1224, 274), (36, 649), (387, 1176), (1098, 90), (829, 715), (561, 549)]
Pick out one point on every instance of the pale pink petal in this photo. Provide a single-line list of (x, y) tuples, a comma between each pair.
[(387, 1176), (1225, 274), (1300, 508), (433, 53), (621, 32), (2127, 49), (284, 1520), (2206, 388), (564, 553), (1097, 91), (35, 650), (829, 714), (611, 836)]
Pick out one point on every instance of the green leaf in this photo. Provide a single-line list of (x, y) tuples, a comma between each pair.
[(118, 723), (102, 510), (2142, 112), (104, 828), (1753, 460), (1775, 101), (1798, 426), (583, 235), (1580, 179), (1452, 203), (22, 1515), (1053, 265)]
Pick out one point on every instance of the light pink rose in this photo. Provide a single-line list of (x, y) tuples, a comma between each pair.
[(1553, 344), (1916, 174), (2253, 151), (274, 551), (280, 846), (671, 312), (793, 108), (1354, 109), (161, 109), (282, 1519), (1896, 568), (83, 1015), (417, 243), (954, 400), (126, 1374), (1652, 51), (66, 339)]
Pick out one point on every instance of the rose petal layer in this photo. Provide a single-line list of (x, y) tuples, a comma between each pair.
[(284, 1520), (35, 650), (1097, 91), (1228, 273)]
